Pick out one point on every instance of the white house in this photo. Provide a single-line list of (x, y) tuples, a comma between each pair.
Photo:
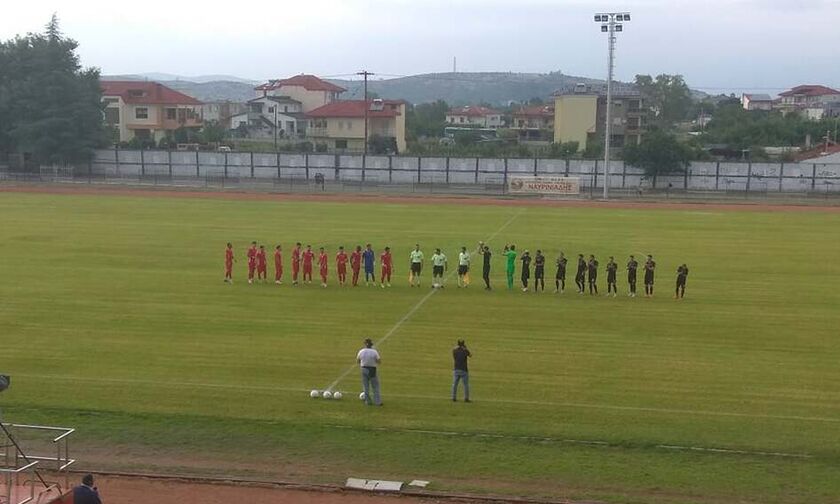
[(269, 113), (474, 116), (756, 101)]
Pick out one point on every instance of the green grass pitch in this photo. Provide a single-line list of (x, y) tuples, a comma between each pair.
[(114, 319)]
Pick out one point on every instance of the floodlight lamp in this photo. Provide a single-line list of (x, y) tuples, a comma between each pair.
[(597, 18), (627, 17), (4, 382), (618, 27), (619, 17), (604, 28)]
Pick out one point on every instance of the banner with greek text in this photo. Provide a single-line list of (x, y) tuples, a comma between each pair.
[(544, 185)]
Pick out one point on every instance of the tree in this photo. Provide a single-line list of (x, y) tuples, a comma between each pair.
[(50, 107), (668, 97), (212, 132), (658, 153), (426, 120)]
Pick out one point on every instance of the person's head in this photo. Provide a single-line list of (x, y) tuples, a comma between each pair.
[(358, 248), (526, 252), (463, 249), (309, 247), (591, 257), (321, 250), (486, 248), (368, 246), (278, 247), (229, 245), (87, 480), (253, 244), (561, 254), (262, 247), (437, 251), (612, 259), (539, 252), (580, 256), (388, 249), (650, 257), (297, 244), (368, 343), (512, 247), (417, 246), (632, 258), (461, 343), (341, 248)]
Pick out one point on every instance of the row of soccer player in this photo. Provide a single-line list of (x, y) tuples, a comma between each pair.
[(586, 273)]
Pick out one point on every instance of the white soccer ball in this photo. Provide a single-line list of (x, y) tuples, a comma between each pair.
[(314, 394), (327, 394), (362, 396), (336, 395)]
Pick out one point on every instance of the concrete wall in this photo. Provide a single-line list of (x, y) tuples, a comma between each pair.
[(701, 176)]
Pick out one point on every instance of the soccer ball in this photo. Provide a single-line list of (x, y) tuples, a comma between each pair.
[(336, 395), (362, 396), (314, 394), (327, 394)]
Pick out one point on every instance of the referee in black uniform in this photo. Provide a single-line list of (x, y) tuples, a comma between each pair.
[(484, 250), (560, 276), (632, 266), (580, 275)]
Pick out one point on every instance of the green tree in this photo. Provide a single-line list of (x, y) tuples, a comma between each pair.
[(50, 107), (212, 132), (668, 97), (658, 153), (426, 120)]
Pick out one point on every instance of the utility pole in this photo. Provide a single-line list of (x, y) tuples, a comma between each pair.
[(275, 127), (611, 23), (365, 73)]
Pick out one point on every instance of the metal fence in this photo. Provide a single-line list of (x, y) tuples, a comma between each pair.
[(445, 174)]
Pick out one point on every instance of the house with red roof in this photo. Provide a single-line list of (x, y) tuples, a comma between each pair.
[(474, 116), (534, 122), (147, 110), (311, 91), (809, 99), (340, 125)]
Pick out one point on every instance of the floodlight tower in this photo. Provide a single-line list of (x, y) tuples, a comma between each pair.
[(611, 22)]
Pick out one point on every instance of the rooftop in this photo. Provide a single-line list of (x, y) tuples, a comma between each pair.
[(356, 109), (308, 82), (758, 97), (619, 89), (472, 111), (536, 111), (810, 90), (146, 93)]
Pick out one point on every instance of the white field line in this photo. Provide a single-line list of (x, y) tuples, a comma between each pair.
[(417, 306), (543, 439), (273, 388)]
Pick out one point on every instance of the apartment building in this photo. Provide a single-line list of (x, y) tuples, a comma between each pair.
[(580, 115), (340, 125)]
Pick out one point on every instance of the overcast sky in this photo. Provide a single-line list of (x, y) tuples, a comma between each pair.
[(732, 45)]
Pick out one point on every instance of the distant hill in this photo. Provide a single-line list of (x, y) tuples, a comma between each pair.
[(461, 88)]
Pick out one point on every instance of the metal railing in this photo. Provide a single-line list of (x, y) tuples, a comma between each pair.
[(16, 463)]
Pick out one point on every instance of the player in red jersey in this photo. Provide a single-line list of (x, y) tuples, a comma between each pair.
[(252, 261), (322, 266), (295, 263), (385, 260), (262, 264), (356, 264), (341, 265), (278, 265), (229, 260), (307, 256)]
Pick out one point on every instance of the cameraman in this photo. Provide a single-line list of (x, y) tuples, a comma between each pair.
[(460, 372)]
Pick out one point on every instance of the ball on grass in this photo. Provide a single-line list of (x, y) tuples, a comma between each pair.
[(336, 395), (327, 394), (314, 394), (362, 396)]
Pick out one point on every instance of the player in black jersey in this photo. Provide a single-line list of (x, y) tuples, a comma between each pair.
[(682, 276), (632, 266), (592, 266), (580, 276), (560, 276), (484, 250), (650, 269), (539, 271), (526, 270), (612, 269)]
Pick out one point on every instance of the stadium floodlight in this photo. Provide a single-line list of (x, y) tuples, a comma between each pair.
[(5, 381), (611, 25)]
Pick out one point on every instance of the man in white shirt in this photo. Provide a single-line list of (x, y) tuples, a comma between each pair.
[(368, 359), (416, 265), (463, 268)]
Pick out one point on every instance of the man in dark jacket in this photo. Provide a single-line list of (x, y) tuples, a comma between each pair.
[(460, 372), (86, 493)]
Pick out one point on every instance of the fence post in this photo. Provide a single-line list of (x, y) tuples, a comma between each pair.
[(142, 163), (477, 161), (390, 169), (226, 165), (505, 178), (781, 175), (364, 166), (685, 177), (717, 176), (536, 173), (749, 177), (117, 159), (336, 166), (197, 169), (419, 168), (594, 178), (252, 164), (814, 177), (90, 169), (623, 175), (277, 162), (567, 167), (169, 157), (447, 169)]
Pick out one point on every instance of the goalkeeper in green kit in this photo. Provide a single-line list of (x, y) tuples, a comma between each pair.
[(510, 254)]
